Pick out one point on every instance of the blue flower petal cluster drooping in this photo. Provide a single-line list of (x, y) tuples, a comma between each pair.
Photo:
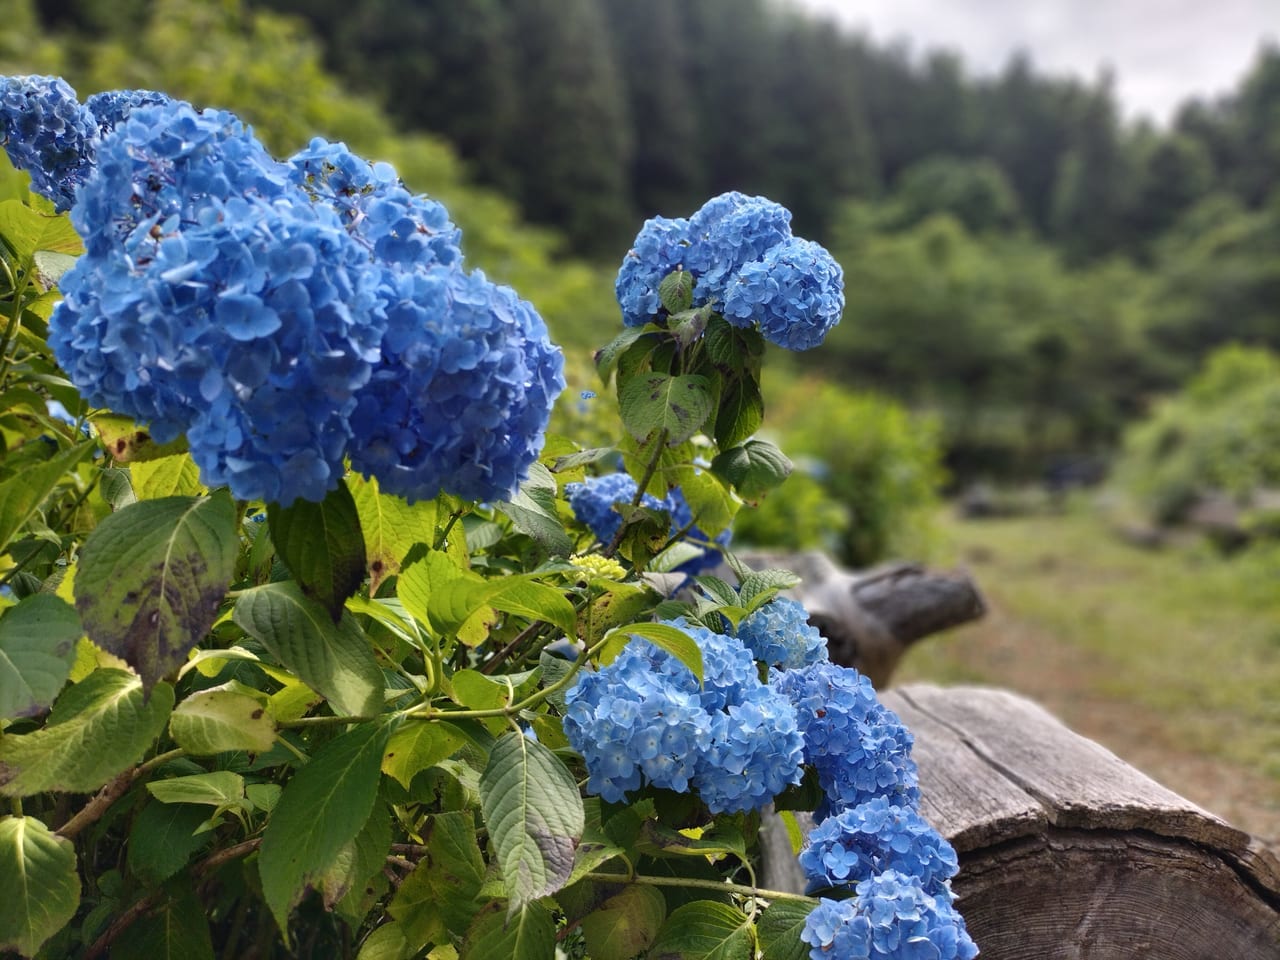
[(745, 264), (47, 133), (874, 837), (644, 719), (858, 746), (284, 316), (594, 498), (779, 635), (891, 918)]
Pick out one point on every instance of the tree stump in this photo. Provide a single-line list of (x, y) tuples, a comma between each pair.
[(1067, 852)]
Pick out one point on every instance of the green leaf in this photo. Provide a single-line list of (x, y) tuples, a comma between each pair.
[(439, 897), (624, 925), (656, 839), (606, 358), (345, 886), (704, 930), (218, 789), (333, 659), (417, 745), (129, 443), (98, 728), (322, 546), (26, 231), (779, 930), (431, 588), (733, 349), (671, 639), (527, 598), (710, 502), (387, 942), (50, 266), (766, 583), (676, 291), (534, 812), (717, 589), (175, 929), (172, 476), (527, 934), (152, 576), (391, 528), (21, 495), (39, 885), (533, 512), (597, 847), (741, 412), (581, 458), (754, 468), (218, 720), (653, 402), (323, 807), (477, 691), (37, 648), (163, 838)]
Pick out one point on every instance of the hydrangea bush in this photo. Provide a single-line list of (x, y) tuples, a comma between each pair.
[(313, 642)]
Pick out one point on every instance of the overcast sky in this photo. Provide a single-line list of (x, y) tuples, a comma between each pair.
[(1161, 51)]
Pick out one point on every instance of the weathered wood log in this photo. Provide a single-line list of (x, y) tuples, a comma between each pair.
[(1067, 852), (870, 619)]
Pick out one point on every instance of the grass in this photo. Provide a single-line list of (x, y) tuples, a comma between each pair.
[(1085, 622)]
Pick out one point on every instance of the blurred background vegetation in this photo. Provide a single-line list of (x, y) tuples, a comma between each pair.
[(1041, 295)]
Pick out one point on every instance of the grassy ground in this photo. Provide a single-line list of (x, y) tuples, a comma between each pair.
[(1170, 658)]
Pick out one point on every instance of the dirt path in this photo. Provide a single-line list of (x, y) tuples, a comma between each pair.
[(1016, 655)]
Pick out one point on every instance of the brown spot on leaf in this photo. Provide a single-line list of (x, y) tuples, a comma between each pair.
[(257, 714)]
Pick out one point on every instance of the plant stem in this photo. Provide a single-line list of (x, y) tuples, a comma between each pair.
[(112, 792), (443, 535), (650, 469), (696, 884)]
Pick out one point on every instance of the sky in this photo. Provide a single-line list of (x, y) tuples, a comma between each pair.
[(1161, 52)]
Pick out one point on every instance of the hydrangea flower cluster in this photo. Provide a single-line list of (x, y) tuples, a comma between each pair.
[(892, 916), (874, 837), (284, 316), (594, 498), (779, 635), (745, 264), (859, 747), (644, 719)]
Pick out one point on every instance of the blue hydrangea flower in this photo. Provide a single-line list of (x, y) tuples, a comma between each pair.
[(400, 229), (593, 500), (682, 517), (779, 634), (644, 719), (113, 107), (892, 918), (874, 837), (461, 398), (859, 747), (795, 294), (727, 233), (659, 248), (47, 133)]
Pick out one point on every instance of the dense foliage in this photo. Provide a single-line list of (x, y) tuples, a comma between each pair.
[(314, 643)]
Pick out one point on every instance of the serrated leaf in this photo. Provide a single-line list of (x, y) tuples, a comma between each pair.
[(477, 691), (439, 897), (391, 528), (779, 930), (98, 728), (217, 789), (21, 495), (717, 589), (527, 934), (705, 930), (322, 545), (654, 402), (345, 886), (527, 598), (675, 290), (116, 487), (177, 928), (741, 412), (172, 476), (533, 512), (387, 942), (754, 468), (733, 349), (39, 884), (152, 576), (37, 648), (215, 721), (533, 810), (323, 807), (624, 925), (766, 583), (333, 659), (711, 503), (671, 639), (581, 458), (163, 838), (415, 746), (606, 358)]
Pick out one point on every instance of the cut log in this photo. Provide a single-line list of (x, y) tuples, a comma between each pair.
[(1067, 852), (870, 619)]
